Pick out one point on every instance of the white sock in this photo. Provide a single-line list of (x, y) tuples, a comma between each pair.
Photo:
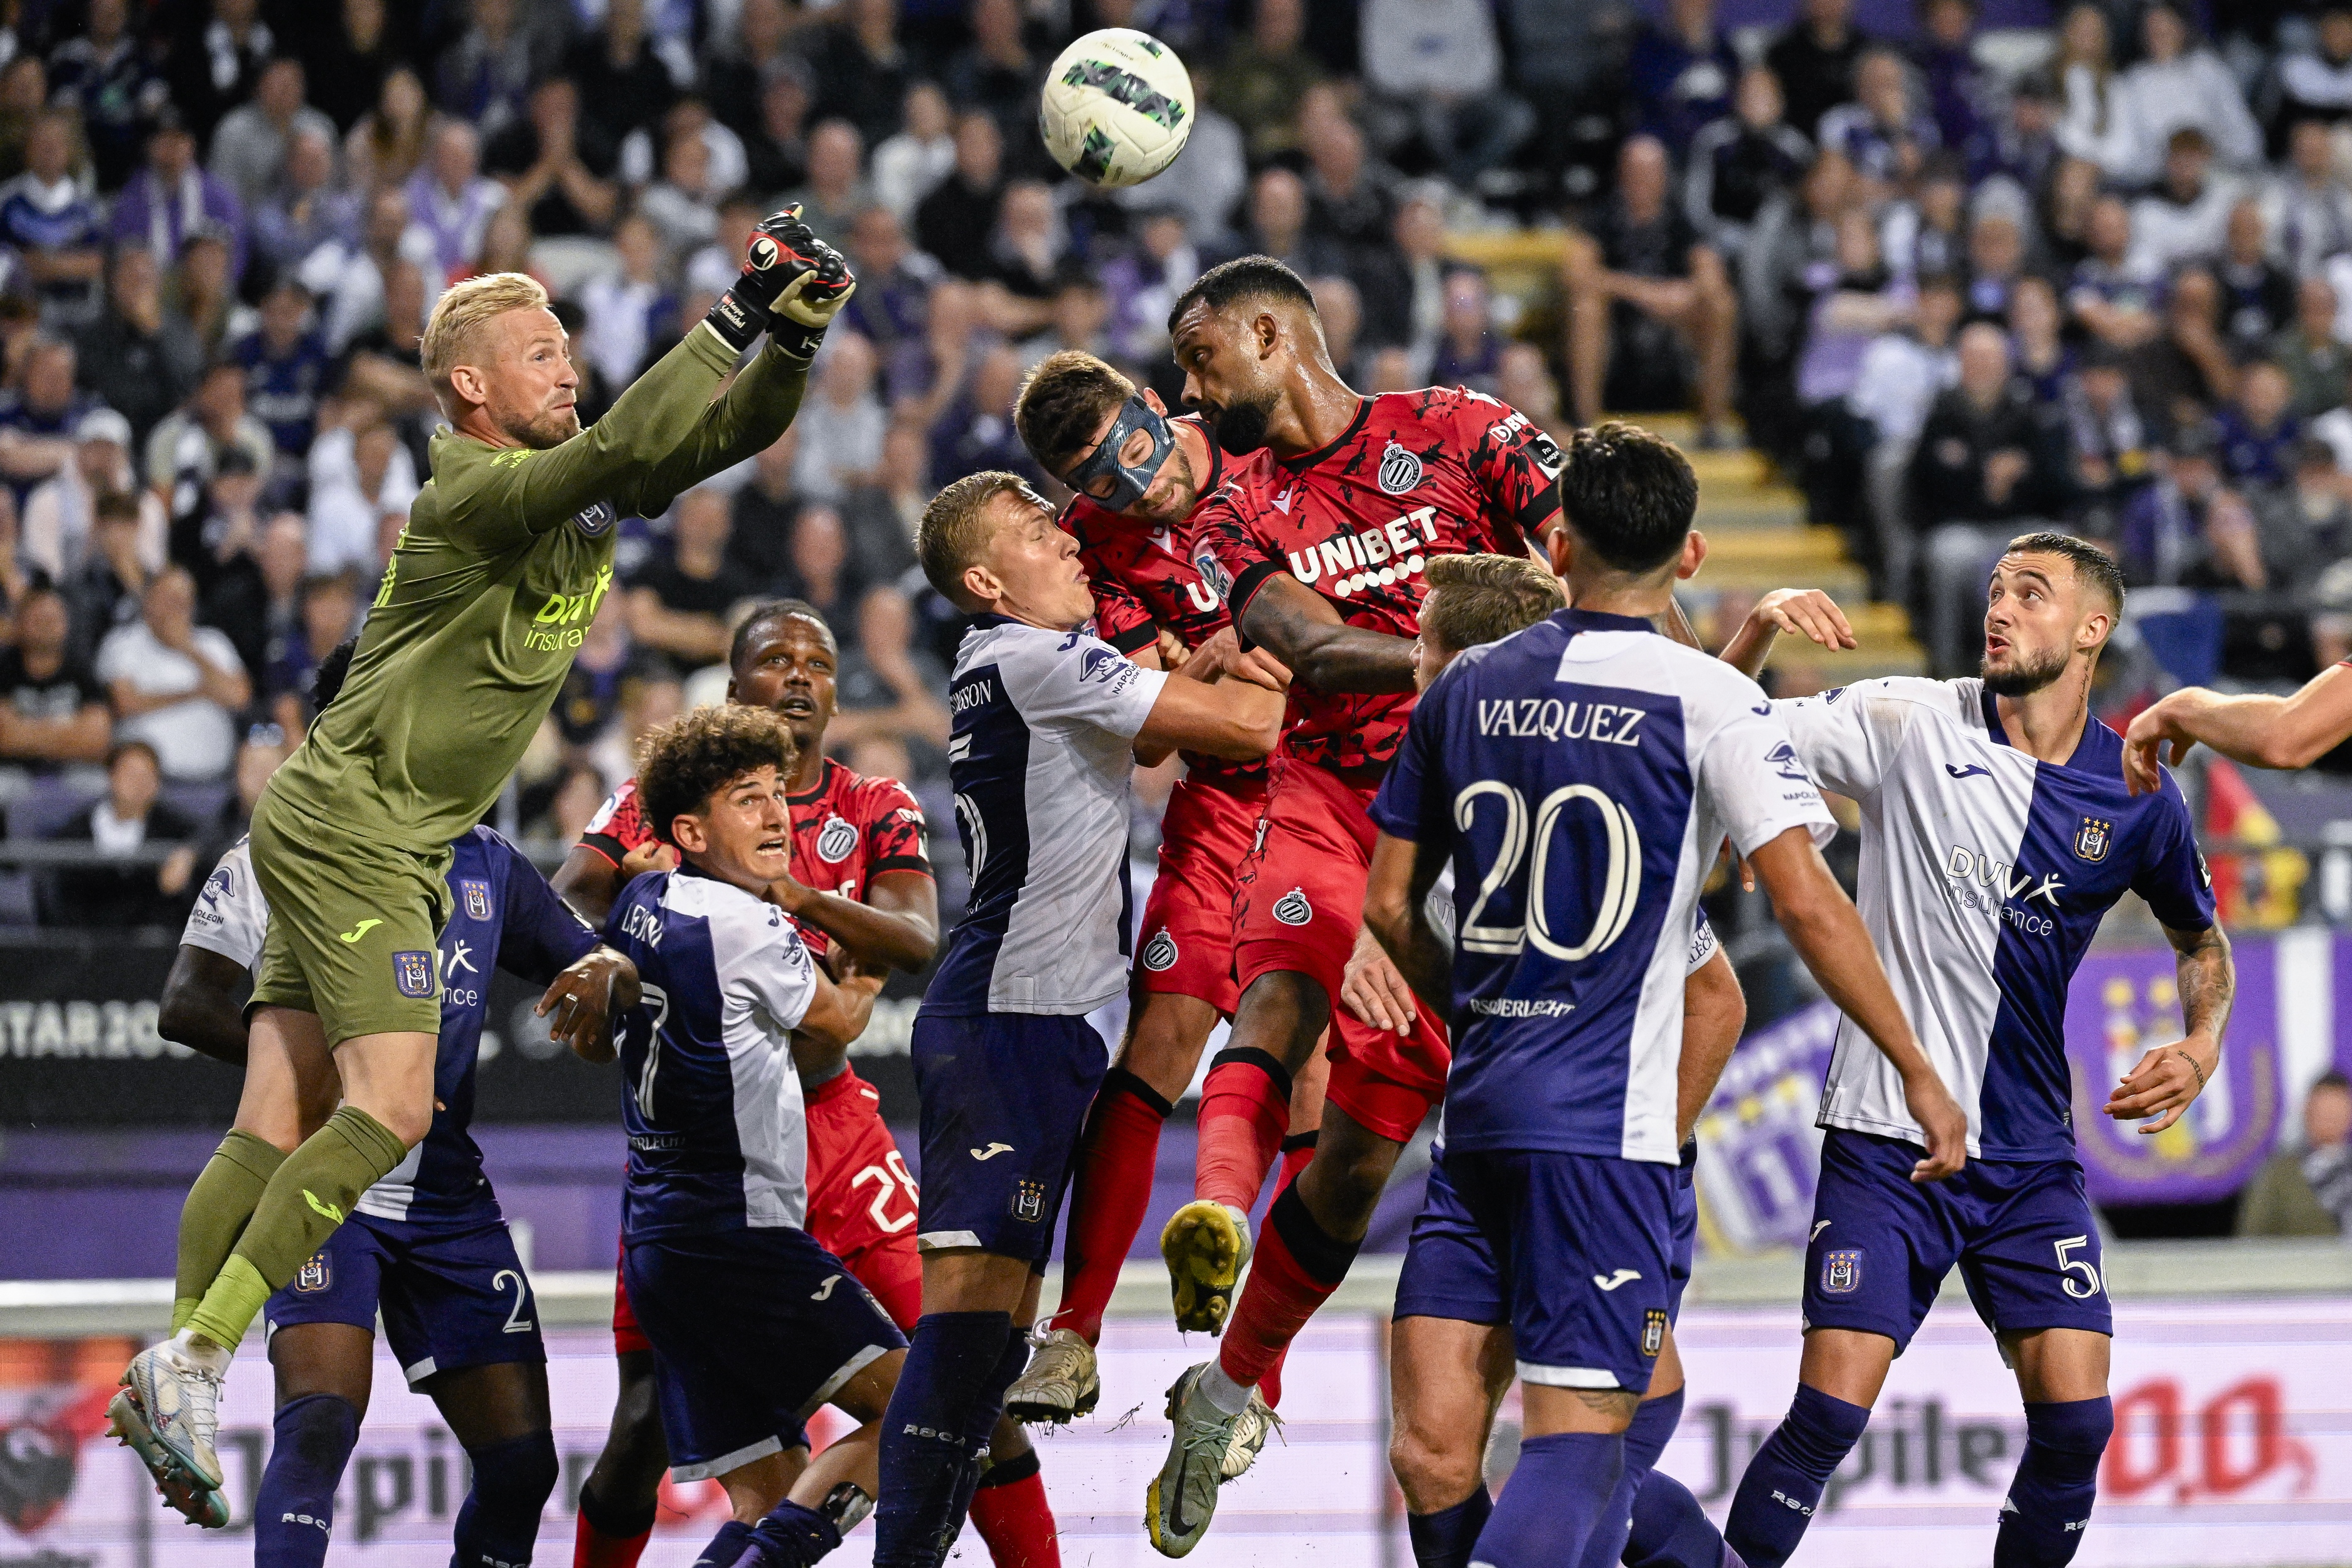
[(212, 1358), (1223, 1391)]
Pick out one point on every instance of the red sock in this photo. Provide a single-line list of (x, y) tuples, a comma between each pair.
[(1295, 1268), (1296, 1150), (1109, 1191), (1013, 1517), (591, 1548), (1245, 1110)]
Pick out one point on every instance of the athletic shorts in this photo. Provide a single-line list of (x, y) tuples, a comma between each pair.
[(1583, 1246), (354, 926), (1185, 945), (1299, 903), (861, 1198), (2020, 1231), (1449, 1267), (1004, 1101), (452, 1292), (861, 1206), (752, 1330)]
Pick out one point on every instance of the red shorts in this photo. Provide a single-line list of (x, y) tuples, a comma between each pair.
[(1185, 946), (861, 1205), (1299, 903)]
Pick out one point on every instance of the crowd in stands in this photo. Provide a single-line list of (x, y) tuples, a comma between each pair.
[(2098, 273)]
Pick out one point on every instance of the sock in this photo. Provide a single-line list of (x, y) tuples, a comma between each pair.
[(498, 1521), (727, 1547), (1013, 1518), (1245, 1110), (1443, 1539), (1670, 1529), (1218, 1387), (791, 1536), (1110, 1190), (980, 1427), (1295, 1268), (1296, 1150), (1552, 1501), (294, 1513), (951, 1365), (2049, 1502), (1783, 1484), (606, 1540), (305, 1201), (1654, 1424), (215, 1214)]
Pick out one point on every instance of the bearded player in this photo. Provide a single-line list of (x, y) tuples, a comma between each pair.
[(506, 553), (1137, 475), (860, 881), (1319, 555)]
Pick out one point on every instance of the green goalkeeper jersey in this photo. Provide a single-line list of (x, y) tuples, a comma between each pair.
[(507, 555)]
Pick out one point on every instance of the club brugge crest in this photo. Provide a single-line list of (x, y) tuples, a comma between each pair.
[(1292, 908), (315, 1275), (1400, 470), (1654, 1331), (1029, 1201), (413, 974), (2091, 839), (1159, 953), (834, 844), (478, 897), (594, 522), (1841, 1271)]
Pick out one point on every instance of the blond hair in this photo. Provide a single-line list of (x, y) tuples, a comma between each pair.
[(465, 307), (955, 530)]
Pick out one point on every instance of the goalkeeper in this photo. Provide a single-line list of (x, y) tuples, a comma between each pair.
[(507, 554)]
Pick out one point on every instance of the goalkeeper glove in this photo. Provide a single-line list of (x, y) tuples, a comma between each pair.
[(790, 286)]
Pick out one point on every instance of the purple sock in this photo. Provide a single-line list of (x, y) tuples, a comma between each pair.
[(1552, 1501), (294, 1513), (2049, 1503), (1444, 1538), (1654, 1421), (1670, 1531), (1784, 1482), (726, 1548)]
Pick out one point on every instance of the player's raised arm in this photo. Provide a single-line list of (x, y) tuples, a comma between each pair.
[(2265, 731), (1298, 626), (1828, 935), (1396, 899), (1218, 703)]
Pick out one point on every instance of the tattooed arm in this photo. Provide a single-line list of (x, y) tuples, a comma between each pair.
[(2170, 1076)]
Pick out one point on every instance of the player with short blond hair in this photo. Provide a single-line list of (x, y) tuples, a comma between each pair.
[(489, 593)]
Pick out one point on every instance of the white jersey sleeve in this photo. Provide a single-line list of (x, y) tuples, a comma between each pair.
[(1849, 737), (763, 965), (1077, 678), (1755, 786), (230, 917)]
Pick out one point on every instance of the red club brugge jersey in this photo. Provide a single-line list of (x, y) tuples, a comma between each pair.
[(1144, 579), (1442, 471), (846, 832)]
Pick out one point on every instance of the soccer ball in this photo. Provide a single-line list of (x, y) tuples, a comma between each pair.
[(1116, 108)]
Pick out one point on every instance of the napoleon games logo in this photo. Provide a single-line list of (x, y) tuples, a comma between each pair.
[(1098, 664), (478, 897), (1400, 470), (1292, 908), (1159, 953), (834, 844), (2091, 840)]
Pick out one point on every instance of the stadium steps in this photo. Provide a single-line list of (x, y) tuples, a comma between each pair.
[(1757, 540)]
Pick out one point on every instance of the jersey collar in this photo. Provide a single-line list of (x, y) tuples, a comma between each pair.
[(1575, 621), (824, 785), (2083, 751), (1300, 465)]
